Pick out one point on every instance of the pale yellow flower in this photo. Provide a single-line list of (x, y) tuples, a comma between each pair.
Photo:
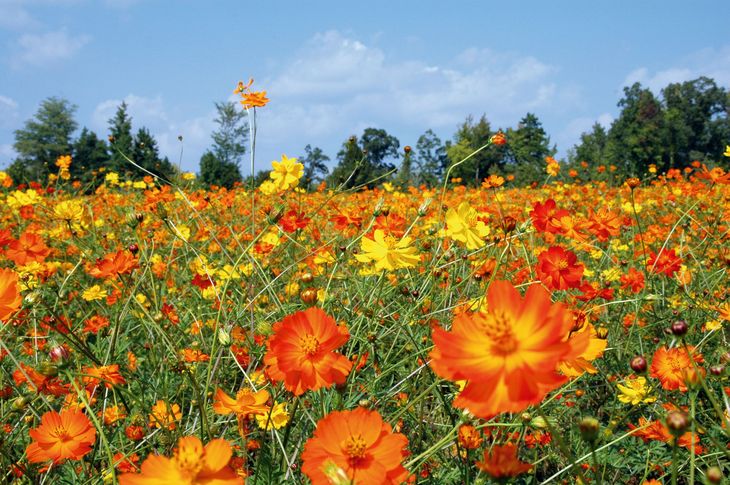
[(387, 252), (635, 391), (463, 226)]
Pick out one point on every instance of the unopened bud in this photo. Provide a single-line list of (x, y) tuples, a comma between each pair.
[(589, 428), (638, 364), (677, 423)]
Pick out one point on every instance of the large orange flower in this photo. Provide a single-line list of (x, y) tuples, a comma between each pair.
[(113, 264), (28, 248), (559, 269), (670, 366), (357, 444), (301, 352), (191, 464), (65, 436), (508, 355), (10, 298)]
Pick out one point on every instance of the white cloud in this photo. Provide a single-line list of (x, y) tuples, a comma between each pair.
[(8, 111), (7, 154), (336, 85), (713, 63), (47, 48), (16, 14), (151, 113)]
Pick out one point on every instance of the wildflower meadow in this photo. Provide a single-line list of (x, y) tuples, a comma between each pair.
[(160, 330)]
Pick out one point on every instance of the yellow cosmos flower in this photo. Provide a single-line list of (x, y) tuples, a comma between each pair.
[(19, 198), (94, 293), (286, 174), (276, 418), (635, 392), (387, 253), (727, 151), (463, 226), (69, 211)]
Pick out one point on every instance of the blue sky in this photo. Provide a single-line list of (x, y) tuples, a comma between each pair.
[(332, 69)]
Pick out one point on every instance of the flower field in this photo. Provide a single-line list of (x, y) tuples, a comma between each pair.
[(567, 333)]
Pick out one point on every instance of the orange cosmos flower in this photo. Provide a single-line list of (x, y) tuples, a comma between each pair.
[(65, 436), (191, 464), (246, 402), (108, 374), (10, 299), (503, 462), (508, 355), (165, 415), (498, 138), (558, 269), (301, 352), (666, 262), (113, 264), (256, 99), (358, 444), (28, 248), (670, 366)]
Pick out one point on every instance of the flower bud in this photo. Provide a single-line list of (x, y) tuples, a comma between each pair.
[(677, 423), (48, 369), (714, 475), (638, 364), (224, 338), (589, 428), (679, 328)]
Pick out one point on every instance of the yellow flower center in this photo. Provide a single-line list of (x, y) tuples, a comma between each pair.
[(190, 459), (562, 264), (498, 327), (355, 447), (309, 344)]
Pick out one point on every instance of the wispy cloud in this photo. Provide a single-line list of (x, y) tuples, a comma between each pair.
[(336, 85), (713, 63), (8, 112), (47, 48)]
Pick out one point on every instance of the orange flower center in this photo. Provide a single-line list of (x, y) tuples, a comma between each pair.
[(62, 435), (498, 327), (562, 264), (355, 447), (309, 344)]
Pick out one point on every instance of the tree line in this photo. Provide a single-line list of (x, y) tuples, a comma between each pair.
[(688, 121)]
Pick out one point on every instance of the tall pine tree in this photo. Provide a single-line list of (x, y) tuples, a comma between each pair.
[(42, 140)]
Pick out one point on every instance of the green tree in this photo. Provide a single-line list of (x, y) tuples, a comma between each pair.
[(529, 145), (406, 175), (696, 120), (146, 154), (431, 160), (636, 138), (222, 164), (468, 138), (591, 148), (90, 154), (213, 172), (42, 140), (121, 139), (315, 166), (365, 162)]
